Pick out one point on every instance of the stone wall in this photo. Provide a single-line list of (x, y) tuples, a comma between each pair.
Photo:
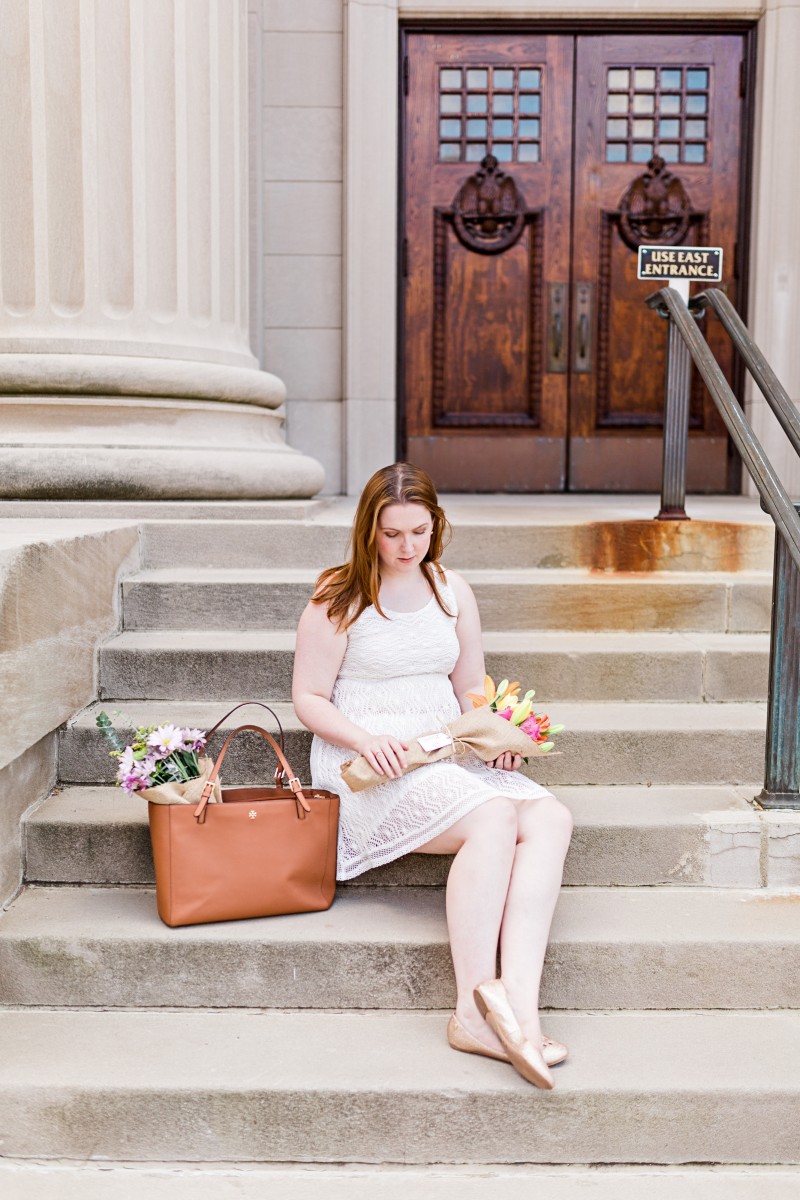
[(58, 601), (302, 223)]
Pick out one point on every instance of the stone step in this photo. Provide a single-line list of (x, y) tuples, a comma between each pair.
[(647, 667), (638, 744), (528, 536), (623, 837), (22, 1179), (384, 1087), (194, 598), (165, 510), (381, 948)]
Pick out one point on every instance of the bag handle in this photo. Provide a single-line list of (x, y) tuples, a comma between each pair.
[(302, 804), (244, 704)]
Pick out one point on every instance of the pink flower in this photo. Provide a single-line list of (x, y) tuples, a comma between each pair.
[(531, 726), (193, 739), (506, 714)]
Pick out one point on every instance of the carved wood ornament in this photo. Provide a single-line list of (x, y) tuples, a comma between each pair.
[(489, 211), (655, 208)]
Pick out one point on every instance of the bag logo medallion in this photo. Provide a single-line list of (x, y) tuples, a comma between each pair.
[(252, 814)]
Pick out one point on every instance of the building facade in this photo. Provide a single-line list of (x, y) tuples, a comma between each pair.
[(414, 223)]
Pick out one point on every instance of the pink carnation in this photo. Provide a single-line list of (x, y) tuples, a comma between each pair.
[(506, 714)]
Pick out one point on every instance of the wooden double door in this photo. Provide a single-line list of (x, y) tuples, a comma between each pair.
[(533, 166)]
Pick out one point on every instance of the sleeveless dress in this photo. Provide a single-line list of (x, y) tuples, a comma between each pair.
[(394, 679)]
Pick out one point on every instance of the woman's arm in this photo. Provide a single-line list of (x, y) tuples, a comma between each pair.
[(470, 670), (468, 673), (319, 650)]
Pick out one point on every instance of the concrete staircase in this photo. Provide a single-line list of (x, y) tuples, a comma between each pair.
[(284, 1056)]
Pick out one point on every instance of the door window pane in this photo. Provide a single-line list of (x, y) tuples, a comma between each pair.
[(643, 129), (450, 152), (450, 104), (530, 104), (502, 128), (477, 128), (476, 151), (696, 104), (694, 153), (642, 152), (530, 79), (669, 129), (502, 104), (477, 78), (642, 103), (477, 103), (644, 77), (503, 151), (449, 78), (503, 78), (528, 152), (450, 128), (671, 79), (696, 81), (617, 103), (619, 80), (531, 128), (616, 152)]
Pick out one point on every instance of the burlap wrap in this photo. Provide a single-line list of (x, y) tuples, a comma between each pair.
[(185, 793), (481, 731)]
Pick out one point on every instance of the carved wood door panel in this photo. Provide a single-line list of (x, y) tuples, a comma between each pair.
[(528, 360), (487, 229), (657, 152)]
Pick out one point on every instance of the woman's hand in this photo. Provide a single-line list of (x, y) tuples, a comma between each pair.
[(384, 753), (507, 762)]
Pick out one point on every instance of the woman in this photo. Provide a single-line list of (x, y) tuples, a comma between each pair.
[(388, 648)]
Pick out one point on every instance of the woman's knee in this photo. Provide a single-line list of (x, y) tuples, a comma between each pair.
[(495, 819), (545, 812)]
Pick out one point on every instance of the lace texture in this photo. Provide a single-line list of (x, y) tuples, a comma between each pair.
[(394, 679)]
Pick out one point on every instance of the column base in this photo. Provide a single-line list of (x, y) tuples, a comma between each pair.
[(101, 447)]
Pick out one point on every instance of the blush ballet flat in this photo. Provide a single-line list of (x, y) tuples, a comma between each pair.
[(495, 1007), (553, 1052)]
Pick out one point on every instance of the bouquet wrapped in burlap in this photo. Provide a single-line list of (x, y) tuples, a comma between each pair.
[(481, 731), (189, 791)]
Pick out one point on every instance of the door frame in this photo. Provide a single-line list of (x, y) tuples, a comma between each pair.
[(575, 28)]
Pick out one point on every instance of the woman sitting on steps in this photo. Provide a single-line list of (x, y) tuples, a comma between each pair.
[(388, 648)]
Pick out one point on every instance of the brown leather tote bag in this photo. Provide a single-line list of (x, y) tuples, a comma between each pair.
[(263, 852)]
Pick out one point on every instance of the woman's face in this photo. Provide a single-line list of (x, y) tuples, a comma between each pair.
[(404, 535)]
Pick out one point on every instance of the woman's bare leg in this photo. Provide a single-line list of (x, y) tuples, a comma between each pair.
[(544, 829), (485, 844)]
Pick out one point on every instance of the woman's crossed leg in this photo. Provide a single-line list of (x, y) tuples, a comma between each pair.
[(502, 891)]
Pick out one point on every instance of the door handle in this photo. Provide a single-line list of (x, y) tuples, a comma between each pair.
[(584, 309), (583, 330), (556, 349)]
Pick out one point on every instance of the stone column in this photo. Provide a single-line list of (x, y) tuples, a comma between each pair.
[(775, 255), (125, 368)]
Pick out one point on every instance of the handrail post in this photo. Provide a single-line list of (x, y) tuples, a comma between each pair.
[(676, 421), (782, 764)]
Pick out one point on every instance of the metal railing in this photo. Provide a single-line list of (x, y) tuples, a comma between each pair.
[(782, 764)]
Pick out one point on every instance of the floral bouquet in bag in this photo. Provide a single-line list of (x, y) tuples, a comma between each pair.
[(162, 763), (485, 731)]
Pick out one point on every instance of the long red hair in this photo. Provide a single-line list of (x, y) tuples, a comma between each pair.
[(349, 589)]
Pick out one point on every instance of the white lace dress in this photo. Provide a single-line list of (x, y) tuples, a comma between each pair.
[(394, 679)]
